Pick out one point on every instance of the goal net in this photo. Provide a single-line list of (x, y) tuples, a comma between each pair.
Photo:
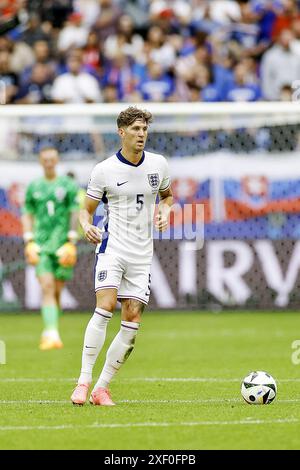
[(235, 168)]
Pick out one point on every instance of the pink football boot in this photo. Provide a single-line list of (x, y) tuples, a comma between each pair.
[(101, 396), (80, 393)]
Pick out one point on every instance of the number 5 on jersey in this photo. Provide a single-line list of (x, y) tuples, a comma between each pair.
[(139, 202)]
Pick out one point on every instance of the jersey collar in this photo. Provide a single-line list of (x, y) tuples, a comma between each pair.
[(127, 162)]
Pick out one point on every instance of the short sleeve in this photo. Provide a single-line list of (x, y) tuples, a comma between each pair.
[(96, 186), (166, 181), (29, 205)]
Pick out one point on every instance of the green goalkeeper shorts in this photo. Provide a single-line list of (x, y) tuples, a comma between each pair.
[(49, 264)]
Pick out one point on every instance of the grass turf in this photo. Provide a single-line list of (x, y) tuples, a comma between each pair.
[(213, 352)]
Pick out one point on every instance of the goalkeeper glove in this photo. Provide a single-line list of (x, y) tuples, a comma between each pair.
[(67, 255), (32, 251)]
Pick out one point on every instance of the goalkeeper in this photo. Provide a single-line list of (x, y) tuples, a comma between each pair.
[(50, 218)]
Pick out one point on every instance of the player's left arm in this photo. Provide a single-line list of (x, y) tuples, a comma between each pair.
[(67, 253), (164, 209)]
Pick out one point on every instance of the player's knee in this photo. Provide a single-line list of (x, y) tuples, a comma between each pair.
[(48, 287), (109, 307), (106, 300), (133, 316), (107, 304), (132, 311)]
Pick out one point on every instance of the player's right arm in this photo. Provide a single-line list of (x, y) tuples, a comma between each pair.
[(95, 191), (32, 250), (27, 224), (92, 233)]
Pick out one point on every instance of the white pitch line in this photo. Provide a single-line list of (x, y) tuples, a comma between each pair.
[(137, 379), (34, 402), (63, 402), (193, 379), (207, 400), (146, 425), (34, 380), (144, 402)]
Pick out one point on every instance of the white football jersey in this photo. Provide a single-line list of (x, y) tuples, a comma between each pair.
[(129, 192)]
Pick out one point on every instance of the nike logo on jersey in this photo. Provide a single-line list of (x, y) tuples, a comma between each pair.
[(90, 347), (120, 184)]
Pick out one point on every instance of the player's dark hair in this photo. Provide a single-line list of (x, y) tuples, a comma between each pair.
[(131, 114)]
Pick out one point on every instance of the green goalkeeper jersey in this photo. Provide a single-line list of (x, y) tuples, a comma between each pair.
[(51, 203)]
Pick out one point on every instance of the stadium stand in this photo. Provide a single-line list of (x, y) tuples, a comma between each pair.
[(150, 50)]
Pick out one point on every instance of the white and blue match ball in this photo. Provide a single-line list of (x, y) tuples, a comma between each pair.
[(259, 388)]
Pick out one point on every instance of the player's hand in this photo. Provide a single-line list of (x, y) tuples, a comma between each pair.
[(93, 234), (67, 255), (32, 251), (161, 222)]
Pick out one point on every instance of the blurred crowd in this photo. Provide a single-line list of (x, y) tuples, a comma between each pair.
[(74, 51)]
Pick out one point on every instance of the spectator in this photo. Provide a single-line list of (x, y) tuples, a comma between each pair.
[(37, 90), (8, 78), (280, 66), (89, 9), (92, 54), (36, 31), (125, 40), (197, 44), (267, 12), (55, 11), (285, 19), (74, 34), (194, 92), (157, 85), (110, 93), (223, 66), (186, 67), (177, 9), (119, 73), (225, 11), (242, 89), (159, 49), (41, 56), (76, 86), (21, 55), (251, 69), (138, 10), (106, 23), (295, 43), (245, 32), (202, 19), (41, 51)]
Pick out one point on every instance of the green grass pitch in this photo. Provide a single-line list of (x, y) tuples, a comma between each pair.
[(180, 389)]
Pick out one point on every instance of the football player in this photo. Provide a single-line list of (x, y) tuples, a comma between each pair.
[(50, 217), (128, 183)]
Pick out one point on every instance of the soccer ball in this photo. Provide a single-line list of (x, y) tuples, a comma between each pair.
[(259, 388)]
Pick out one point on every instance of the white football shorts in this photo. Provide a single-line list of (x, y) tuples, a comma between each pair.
[(132, 281)]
